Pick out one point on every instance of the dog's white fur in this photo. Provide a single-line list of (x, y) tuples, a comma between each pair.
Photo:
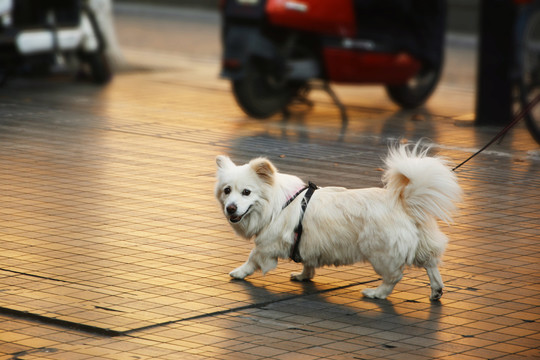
[(391, 227)]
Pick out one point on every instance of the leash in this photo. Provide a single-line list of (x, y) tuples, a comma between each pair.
[(524, 111)]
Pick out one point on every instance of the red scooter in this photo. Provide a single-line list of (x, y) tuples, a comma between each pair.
[(272, 49)]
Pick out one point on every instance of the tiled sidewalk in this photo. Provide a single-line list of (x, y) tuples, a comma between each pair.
[(113, 247)]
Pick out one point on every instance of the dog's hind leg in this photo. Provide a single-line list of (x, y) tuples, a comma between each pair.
[(307, 274), (435, 281), (391, 275)]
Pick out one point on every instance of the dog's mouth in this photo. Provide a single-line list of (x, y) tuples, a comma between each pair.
[(236, 218)]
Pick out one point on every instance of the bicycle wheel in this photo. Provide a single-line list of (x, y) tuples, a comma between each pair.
[(530, 72)]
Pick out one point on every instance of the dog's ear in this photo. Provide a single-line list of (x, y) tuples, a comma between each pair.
[(264, 169), (223, 162)]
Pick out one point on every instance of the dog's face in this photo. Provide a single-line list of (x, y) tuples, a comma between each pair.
[(242, 190)]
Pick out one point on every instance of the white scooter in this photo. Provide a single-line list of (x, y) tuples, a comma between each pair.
[(43, 35)]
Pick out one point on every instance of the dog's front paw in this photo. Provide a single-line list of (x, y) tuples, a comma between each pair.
[(374, 294), (238, 273)]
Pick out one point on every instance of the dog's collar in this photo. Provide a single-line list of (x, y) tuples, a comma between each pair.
[(295, 252)]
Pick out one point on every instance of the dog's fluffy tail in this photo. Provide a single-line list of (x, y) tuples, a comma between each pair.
[(426, 185)]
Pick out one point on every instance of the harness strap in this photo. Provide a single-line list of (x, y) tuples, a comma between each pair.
[(295, 254), (294, 197)]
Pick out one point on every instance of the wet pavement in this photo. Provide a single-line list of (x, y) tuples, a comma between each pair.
[(113, 246)]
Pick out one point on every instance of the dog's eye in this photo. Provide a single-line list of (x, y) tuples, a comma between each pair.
[(227, 190), (246, 192)]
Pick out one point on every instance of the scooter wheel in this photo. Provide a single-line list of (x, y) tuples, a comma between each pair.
[(99, 68), (261, 93), (417, 90), (3, 76)]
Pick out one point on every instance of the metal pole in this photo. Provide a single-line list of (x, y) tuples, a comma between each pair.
[(496, 51)]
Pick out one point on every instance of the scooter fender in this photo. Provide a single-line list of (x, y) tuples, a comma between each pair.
[(240, 44)]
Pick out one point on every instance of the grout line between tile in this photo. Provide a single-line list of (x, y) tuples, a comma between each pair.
[(36, 276)]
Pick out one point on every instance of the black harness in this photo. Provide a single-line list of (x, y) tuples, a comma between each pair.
[(295, 254)]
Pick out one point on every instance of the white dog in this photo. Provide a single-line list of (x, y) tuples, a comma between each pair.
[(391, 227)]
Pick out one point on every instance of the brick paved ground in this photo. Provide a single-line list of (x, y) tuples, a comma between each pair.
[(113, 247)]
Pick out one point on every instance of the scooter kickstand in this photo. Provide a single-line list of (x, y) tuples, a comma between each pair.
[(339, 104)]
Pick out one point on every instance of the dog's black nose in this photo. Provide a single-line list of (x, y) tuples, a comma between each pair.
[(231, 209)]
